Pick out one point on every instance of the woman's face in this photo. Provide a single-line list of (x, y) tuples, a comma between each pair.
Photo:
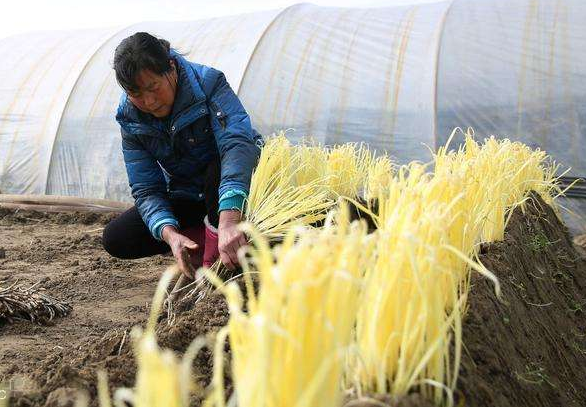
[(156, 93)]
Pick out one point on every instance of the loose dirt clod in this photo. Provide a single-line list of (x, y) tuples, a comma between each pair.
[(580, 240)]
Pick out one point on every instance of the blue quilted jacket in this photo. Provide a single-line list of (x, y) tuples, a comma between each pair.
[(167, 158)]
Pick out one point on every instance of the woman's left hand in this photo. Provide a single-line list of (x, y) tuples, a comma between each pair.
[(230, 238)]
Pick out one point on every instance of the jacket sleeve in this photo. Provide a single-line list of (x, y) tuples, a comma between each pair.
[(235, 139), (148, 186)]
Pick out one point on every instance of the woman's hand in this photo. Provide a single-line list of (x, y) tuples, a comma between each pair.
[(230, 238), (182, 247)]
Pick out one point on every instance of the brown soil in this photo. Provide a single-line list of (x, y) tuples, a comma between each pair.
[(63, 371), (529, 348), (108, 296)]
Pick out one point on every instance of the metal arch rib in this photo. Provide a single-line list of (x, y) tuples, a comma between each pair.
[(263, 35), (81, 71), (436, 74)]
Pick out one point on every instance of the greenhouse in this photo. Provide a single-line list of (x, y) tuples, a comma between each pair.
[(411, 231), (398, 78)]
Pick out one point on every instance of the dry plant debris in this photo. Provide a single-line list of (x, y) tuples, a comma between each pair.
[(20, 302)]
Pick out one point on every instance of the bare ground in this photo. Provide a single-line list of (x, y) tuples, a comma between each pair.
[(63, 251)]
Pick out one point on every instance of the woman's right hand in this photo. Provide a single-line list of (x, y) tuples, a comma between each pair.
[(182, 247)]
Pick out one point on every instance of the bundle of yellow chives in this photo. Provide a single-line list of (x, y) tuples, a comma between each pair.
[(312, 166), (502, 172), (347, 168), (403, 324), (295, 332), (297, 185), (429, 228), (378, 177), (277, 200)]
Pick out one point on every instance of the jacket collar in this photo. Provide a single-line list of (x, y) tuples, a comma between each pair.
[(189, 104)]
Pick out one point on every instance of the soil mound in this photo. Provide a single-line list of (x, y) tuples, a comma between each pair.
[(530, 347)]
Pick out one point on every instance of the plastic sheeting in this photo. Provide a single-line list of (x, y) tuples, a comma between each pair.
[(38, 72), (517, 69), (397, 78), (349, 75)]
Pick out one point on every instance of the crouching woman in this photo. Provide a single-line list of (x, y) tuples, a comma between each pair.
[(189, 150)]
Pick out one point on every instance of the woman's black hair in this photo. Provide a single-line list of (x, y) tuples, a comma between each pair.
[(137, 52)]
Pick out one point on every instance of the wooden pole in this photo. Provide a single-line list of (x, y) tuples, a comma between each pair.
[(60, 203)]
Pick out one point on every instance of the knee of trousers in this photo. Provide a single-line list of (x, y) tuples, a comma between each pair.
[(115, 244)]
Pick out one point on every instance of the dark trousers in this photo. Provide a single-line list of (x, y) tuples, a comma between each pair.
[(128, 237)]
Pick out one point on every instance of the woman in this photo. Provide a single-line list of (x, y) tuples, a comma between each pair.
[(189, 150)]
